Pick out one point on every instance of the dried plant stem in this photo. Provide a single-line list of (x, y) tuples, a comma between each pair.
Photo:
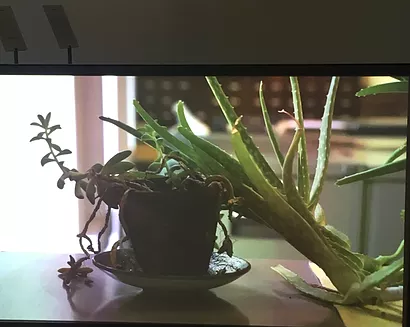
[(83, 234), (102, 231)]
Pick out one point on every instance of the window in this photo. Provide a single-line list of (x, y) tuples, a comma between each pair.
[(36, 216)]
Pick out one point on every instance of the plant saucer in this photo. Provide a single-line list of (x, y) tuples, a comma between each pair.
[(222, 270)]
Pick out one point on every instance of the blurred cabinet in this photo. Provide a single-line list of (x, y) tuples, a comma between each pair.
[(383, 230), (342, 206)]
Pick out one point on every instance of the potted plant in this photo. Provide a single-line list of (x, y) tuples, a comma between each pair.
[(291, 207), (276, 200), (169, 212)]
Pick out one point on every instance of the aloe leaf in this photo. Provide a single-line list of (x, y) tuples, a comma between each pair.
[(172, 140), (286, 220), (134, 132), (303, 166), (397, 153), (232, 119), (302, 286), (218, 154), (387, 259), (319, 215), (292, 195), (181, 116), (373, 280), (343, 239), (324, 143), (163, 132), (386, 169), (269, 128), (394, 87), (138, 133)]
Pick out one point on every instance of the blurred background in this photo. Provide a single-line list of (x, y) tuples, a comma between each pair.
[(39, 217)]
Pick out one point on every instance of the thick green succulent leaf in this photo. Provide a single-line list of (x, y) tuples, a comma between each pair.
[(386, 169), (303, 164), (324, 143), (397, 153), (373, 280), (181, 116), (309, 290), (393, 87), (269, 128)]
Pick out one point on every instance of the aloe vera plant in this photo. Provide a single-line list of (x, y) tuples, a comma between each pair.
[(276, 200)]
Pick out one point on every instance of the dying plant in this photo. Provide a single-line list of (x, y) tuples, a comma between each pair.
[(278, 201)]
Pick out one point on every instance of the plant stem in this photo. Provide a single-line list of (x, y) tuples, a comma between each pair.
[(63, 169)]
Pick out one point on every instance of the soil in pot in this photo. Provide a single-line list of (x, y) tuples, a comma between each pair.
[(172, 232)]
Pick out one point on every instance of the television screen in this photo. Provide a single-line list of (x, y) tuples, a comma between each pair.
[(154, 175)]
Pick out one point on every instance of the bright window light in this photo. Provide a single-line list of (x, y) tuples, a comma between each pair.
[(36, 216)]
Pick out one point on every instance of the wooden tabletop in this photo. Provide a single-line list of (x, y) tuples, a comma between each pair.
[(31, 290)]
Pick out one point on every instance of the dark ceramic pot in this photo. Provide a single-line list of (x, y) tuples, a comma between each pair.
[(172, 232)]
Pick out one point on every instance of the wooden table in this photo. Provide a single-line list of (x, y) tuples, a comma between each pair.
[(31, 290)]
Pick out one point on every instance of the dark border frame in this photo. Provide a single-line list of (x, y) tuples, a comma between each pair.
[(221, 69)]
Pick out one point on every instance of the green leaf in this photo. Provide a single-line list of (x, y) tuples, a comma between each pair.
[(56, 147), (181, 116), (394, 87), (116, 159), (147, 137), (302, 286), (78, 192), (42, 121), (303, 165), (268, 125), (47, 120), (36, 124), (120, 167), (343, 239), (53, 128), (386, 169), (324, 143), (76, 176), (397, 153), (97, 167), (63, 152), (234, 122), (36, 138), (372, 280), (153, 167), (46, 159), (60, 183)]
